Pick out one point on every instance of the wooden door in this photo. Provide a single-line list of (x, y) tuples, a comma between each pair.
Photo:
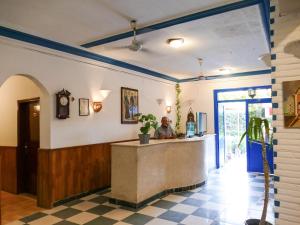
[(28, 144)]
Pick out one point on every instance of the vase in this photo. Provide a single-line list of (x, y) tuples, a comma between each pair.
[(144, 138)]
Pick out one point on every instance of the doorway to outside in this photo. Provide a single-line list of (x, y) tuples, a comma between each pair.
[(233, 108)]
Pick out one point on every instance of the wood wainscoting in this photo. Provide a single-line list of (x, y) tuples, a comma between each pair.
[(9, 169), (66, 172)]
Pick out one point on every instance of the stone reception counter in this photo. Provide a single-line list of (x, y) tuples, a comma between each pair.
[(142, 173)]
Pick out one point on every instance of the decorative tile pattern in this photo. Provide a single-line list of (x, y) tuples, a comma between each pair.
[(225, 199)]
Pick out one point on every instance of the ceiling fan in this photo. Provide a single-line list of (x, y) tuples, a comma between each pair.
[(201, 77), (135, 45)]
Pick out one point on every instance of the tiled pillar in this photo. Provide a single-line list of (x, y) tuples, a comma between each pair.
[(286, 67)]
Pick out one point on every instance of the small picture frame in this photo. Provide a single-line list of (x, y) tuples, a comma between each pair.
[(84, 107)]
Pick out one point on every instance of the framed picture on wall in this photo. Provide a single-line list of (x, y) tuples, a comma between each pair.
[(129, 105), (291, 104), (84, 107)]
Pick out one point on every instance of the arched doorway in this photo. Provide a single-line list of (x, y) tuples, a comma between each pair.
[(25, 115)]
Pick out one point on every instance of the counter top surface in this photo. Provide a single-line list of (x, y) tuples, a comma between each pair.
[(161, 141)]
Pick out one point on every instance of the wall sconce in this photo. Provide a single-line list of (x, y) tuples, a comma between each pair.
[(168, 109), (97, 105)]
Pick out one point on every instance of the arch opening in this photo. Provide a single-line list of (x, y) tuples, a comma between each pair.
[(25, 119)]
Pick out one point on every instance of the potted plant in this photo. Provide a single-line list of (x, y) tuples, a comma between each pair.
[(148, 122), (259, 130)]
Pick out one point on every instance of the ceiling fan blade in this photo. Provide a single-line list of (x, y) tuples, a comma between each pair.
[(116, 47), (151, 52)]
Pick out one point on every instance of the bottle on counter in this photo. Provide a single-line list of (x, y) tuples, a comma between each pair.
[(190, 124)]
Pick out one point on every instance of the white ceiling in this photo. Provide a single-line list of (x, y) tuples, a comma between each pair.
[(80, 21), (234, 39)]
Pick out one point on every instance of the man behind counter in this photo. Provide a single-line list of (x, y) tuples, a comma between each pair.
[(165, 131)]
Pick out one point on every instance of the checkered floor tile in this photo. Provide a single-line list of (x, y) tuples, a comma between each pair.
[(225, 199)]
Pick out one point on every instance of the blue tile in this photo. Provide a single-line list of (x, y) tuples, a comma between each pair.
[(164, 204), (207, 213), (65, 222), (33, 217), (272, 8), (173, 216), (101, 209), (66, 213), (99, 200), (138, 219), (193, 202), (102, 220)]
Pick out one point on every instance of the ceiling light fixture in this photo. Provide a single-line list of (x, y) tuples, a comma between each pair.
[(175, 42)]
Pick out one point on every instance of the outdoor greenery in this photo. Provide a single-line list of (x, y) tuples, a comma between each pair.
[(232, 124), (148, 121), (259, 129), (178, 109)]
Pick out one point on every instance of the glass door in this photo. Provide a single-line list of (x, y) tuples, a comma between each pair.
[(254, 156), (232, 124)]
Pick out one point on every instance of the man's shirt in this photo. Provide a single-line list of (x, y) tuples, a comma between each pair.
[(164, 131)]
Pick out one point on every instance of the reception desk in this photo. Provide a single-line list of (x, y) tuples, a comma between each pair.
[(141, 173)]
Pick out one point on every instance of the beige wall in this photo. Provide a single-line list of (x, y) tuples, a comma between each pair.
[(200, 94), (83, 78)]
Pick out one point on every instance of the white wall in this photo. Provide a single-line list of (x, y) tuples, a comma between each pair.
[(286, 29), (83, 78), (201, 94)]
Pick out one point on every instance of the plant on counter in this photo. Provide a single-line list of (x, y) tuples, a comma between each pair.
[(178, 110), (259, 130), (148, 121)]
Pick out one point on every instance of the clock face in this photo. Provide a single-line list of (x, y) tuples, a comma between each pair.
[(63, 100)]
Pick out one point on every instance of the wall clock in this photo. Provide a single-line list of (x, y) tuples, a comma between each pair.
[(63, 104)]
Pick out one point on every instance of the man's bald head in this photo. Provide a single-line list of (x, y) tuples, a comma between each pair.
[(165, 121)]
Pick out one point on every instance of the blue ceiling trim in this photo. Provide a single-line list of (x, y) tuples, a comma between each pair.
[(250, 73), (32, 39), (180, 20), (265, 14)]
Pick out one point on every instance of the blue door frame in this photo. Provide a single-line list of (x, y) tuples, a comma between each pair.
[(247, 101)]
